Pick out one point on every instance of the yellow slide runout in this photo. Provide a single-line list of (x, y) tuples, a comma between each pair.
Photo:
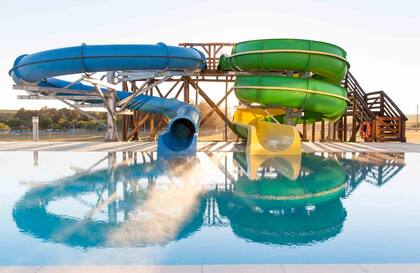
[(267, 138), (288, 165)]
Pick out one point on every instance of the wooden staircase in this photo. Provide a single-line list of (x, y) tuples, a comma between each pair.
[(385, 118)]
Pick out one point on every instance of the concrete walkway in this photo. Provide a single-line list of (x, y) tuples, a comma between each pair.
[(91, 146), (288, 268)]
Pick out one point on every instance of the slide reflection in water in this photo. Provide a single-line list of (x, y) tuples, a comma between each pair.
[(288, 200), (151, 214), (275, 207)]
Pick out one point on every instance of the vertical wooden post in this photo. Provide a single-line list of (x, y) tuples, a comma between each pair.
[(124, 127), (186, 90), (402, 130), (382, 105), (305, 131), (313, 131), (322, 130), (339, 129), (353, 119), (345, 128)]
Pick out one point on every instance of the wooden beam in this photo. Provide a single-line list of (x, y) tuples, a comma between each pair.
[(211, 103), (208, 115), (172, 88), (138, 125)]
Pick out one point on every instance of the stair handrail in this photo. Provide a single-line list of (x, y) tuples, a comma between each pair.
[(351, 83), (390, 104)]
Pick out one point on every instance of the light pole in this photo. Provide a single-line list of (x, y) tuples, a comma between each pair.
[(35, 129)]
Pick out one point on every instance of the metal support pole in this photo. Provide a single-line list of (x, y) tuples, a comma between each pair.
[(111, 133), (226, 109), (417, 118), (35, 129), (330, 133), (288, 116), (152, 121)]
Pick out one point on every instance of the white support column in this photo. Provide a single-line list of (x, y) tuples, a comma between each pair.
[(330, 134), (112, 187), (35, 129), (111, 133)]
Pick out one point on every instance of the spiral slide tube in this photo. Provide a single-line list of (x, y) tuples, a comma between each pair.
[(314, 90), (180, 137)]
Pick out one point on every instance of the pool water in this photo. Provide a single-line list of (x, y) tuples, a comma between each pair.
[(217, 208)]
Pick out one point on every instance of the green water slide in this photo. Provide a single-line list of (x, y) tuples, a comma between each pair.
[(312, 72)]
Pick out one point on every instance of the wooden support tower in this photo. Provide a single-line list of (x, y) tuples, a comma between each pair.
[(190, 89)]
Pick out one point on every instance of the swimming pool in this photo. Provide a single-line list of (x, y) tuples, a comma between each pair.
[(218, 208)]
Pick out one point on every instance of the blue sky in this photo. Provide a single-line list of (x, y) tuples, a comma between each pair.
[(382, 38)]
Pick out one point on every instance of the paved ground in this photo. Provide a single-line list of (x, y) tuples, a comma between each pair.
[(289, 268), (92, 146)]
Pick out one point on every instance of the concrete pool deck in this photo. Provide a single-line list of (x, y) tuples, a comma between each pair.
[(278, 268), (99, 146)]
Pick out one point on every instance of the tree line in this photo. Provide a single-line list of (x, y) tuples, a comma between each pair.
[(51, 118), (64, 118)]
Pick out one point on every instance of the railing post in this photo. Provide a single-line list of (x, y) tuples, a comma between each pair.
[(382, 104)]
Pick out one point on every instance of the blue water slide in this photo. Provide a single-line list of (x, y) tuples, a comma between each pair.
[(180, 138)]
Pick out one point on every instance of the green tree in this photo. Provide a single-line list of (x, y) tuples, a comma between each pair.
[(4, 127), (16, 123), (91, 125), (64, 123)]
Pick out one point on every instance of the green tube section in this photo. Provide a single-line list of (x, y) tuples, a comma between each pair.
[(326, 61), (317, 67), (317, 99)]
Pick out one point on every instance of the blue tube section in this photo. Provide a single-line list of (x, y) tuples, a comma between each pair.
[(180, 138)]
